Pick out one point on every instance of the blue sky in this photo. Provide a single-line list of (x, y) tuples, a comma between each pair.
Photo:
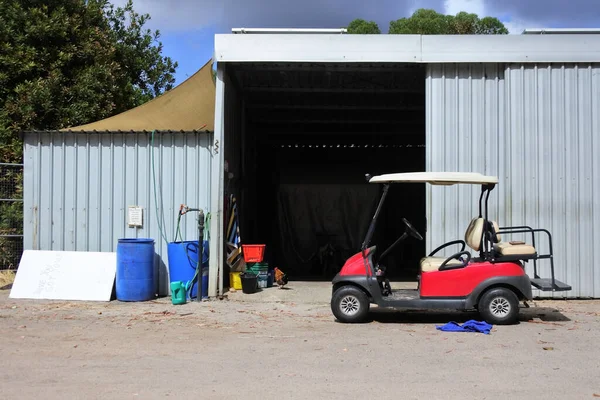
[(188, 26)]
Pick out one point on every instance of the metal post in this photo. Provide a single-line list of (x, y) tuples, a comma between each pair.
[(200, 251), (215, 270)]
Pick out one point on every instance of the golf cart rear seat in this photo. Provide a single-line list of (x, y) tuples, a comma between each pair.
[(521, 251), (473, 236), (512, 248)]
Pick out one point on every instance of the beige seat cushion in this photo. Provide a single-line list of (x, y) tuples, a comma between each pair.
[(496, 229), (429, 264), (474, 233), (507, 249)]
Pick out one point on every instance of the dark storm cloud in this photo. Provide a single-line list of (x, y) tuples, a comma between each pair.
[(222, 15), (226, 14), (549, 13)]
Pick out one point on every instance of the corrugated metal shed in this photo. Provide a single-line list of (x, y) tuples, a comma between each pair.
[(533, 126), (78, 187), (406, 48)]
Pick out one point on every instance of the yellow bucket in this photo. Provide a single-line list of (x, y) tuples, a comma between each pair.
[(235, 281)]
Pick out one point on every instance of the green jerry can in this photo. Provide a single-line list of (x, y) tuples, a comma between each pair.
[(178, 293)]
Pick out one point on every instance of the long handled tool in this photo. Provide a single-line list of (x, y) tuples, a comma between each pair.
[(186, 209)]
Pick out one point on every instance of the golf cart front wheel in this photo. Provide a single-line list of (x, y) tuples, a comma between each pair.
[(350, 304), (499, 306)]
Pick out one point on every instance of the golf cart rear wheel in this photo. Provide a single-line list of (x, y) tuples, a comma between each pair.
[(350, 304), (499, 306)]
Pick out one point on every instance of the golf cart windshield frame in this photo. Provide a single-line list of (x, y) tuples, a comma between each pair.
[(371, 231)]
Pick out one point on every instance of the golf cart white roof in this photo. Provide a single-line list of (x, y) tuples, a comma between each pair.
[(436, 178)]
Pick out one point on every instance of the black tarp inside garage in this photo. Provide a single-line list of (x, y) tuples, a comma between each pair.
[(309, 134)]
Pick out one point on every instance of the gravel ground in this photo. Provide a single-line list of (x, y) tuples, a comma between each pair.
[(283, 344)]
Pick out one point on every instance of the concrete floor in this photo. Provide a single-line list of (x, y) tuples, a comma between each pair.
[(285, 344), (299, 292)]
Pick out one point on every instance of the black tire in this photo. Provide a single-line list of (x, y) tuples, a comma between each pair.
[(349, 304), (499, 306)]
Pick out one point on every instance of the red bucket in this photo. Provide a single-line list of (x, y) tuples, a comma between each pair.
[(253, 252)]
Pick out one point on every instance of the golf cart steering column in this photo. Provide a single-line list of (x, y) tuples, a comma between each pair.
[(385, 253), (410, 231)]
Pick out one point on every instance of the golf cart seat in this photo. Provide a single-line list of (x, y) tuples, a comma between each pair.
[(429, 264), (473, 236), (512, 248)]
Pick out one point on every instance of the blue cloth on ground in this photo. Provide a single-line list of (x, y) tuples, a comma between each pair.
[(469, 326)]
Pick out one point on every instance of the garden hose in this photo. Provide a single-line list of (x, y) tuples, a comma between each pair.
[(160, 224), (189, 284)]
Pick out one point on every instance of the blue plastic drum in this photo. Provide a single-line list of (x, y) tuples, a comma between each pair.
[(183, 262), (135, 279)]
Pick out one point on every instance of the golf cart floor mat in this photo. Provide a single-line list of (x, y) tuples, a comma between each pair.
[(403, 294)]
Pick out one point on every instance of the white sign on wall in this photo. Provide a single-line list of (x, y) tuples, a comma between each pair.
[(135, 217)]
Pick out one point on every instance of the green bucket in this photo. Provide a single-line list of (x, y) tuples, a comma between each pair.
[(257, 268), (178, 293)]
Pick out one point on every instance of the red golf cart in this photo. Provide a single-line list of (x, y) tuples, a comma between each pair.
[(492, 280)]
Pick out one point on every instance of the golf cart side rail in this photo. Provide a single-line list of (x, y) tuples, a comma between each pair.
[(527, 229), (453, 242)]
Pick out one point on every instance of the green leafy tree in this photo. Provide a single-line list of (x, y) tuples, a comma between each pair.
[(65, 63), (147, 73), (360, 26), (71, 62), (430, 22), (490, 26)]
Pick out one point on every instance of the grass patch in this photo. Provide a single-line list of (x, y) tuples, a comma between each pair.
[(7, 277)]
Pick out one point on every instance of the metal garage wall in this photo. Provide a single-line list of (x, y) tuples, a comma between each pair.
[(533, 126), (78, 187)]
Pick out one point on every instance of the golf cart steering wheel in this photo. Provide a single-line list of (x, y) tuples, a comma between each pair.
[(412, 231)]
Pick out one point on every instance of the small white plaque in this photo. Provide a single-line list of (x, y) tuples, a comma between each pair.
[(135, 216)]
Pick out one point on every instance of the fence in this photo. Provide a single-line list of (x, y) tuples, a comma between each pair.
[(11, 215)]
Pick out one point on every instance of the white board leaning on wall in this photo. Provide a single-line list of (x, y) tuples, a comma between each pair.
[(65, 275)]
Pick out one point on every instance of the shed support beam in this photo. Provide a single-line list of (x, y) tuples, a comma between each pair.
[(215, 264), (295, 107), (380, 90)]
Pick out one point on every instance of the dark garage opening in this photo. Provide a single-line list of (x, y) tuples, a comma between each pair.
[(308, 134)]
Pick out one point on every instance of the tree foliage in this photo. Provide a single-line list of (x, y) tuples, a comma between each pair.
[(70, 62), (360, 26), (430, 22)]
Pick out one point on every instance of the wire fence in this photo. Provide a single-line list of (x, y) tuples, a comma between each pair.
[(11, 215)]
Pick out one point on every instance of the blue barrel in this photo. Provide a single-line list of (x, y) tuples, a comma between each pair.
[(183, 261), (135, 280)]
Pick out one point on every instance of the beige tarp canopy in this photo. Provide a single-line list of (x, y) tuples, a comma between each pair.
[(189, 106)]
